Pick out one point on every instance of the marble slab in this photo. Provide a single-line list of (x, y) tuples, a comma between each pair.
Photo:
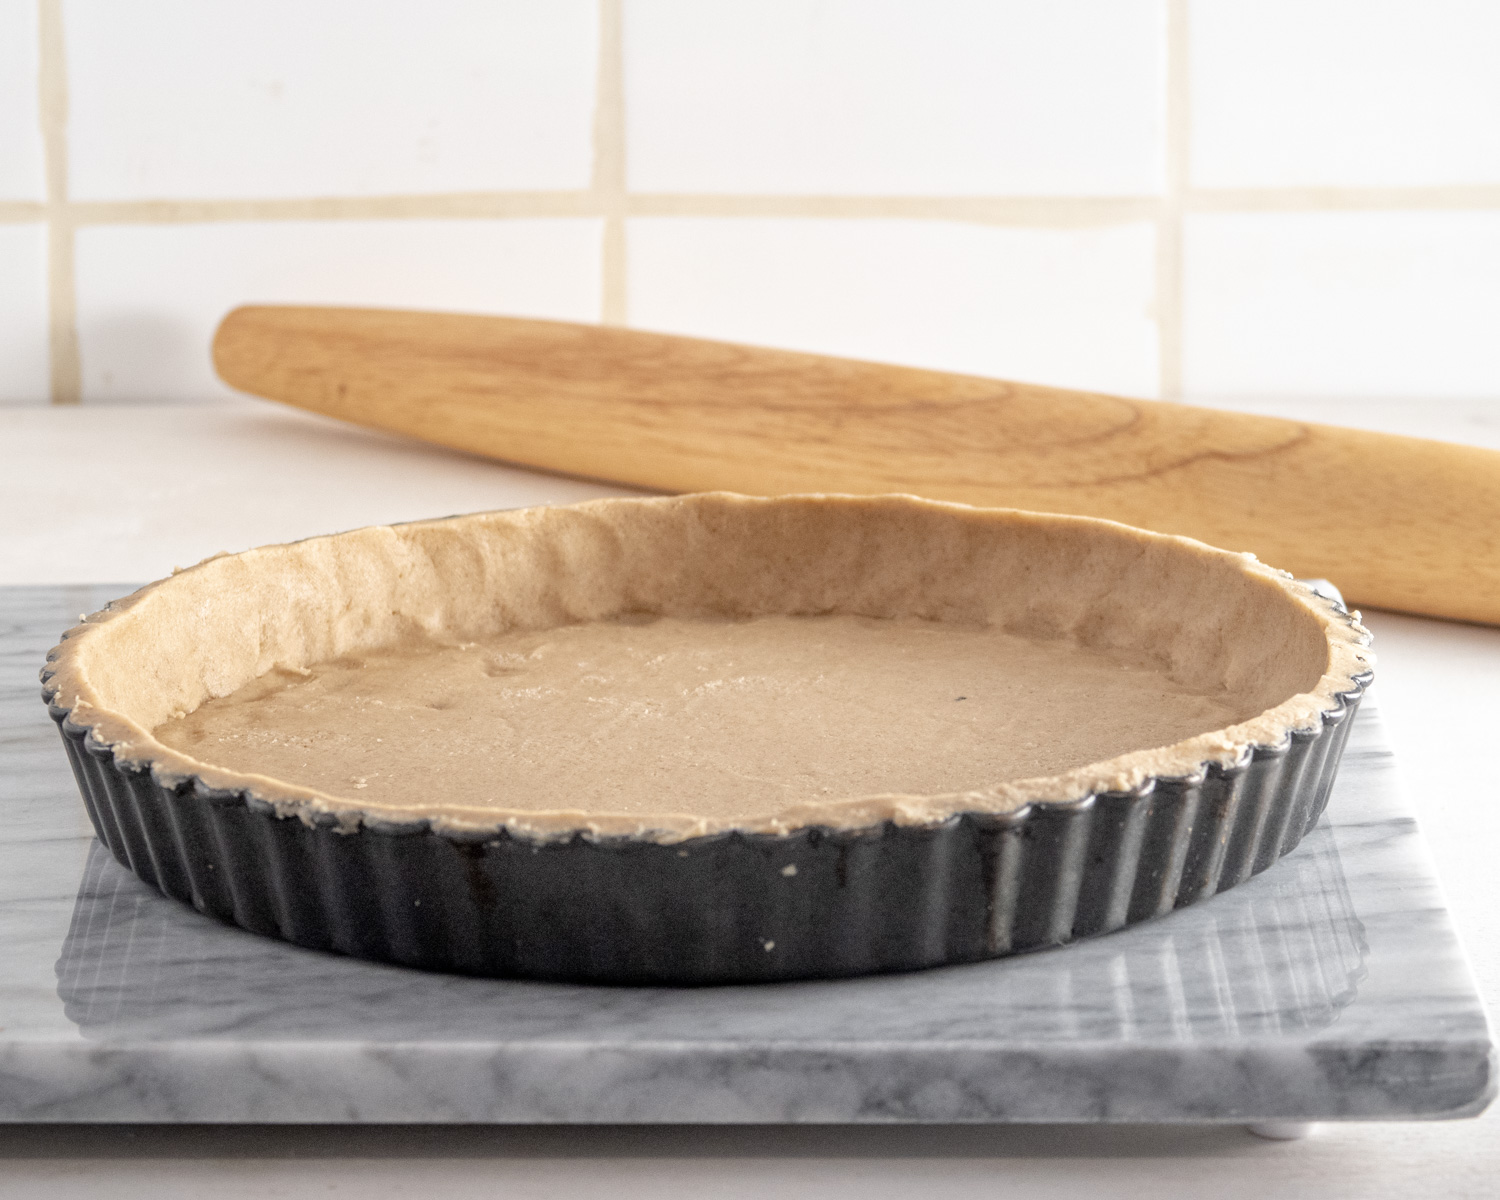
[(1330, 987)]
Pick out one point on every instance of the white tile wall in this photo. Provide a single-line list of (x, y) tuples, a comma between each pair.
[(896, 97), (24, 368), (1211, 199), (1398, 304), (150, 296), (1072, 307), (21, 174), (174, 98), (1345, 92)]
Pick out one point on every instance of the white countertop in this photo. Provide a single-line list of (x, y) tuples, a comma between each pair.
[(127, 493)]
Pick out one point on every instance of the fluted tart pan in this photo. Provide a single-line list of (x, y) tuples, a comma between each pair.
[(827, 885)]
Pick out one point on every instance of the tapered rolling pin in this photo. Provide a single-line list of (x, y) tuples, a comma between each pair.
[(1399, 523)]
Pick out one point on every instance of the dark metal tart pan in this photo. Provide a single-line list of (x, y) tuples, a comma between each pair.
[(719, 908), (714, 909)]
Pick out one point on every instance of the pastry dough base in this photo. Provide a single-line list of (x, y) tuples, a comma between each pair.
[(1209, 622), (730, 720)]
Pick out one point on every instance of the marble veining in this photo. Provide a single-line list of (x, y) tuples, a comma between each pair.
[(1331, 986)]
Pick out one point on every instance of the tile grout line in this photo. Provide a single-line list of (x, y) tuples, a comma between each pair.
[(1028, 211), (1440, 197), (609, 187), (62, 302), (458, 205), (18, 212), (1169, 317), (1015, 211)]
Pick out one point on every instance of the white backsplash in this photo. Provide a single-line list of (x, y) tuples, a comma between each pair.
[(1239, 204)]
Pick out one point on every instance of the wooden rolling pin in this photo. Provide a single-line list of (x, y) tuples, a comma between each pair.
[(1398, 523)]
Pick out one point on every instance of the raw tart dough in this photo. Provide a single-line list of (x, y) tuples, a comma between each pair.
[(675, 667)]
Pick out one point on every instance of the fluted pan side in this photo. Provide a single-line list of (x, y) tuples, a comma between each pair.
[(735, 907)]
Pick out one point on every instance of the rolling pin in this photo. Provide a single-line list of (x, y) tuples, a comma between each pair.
[(1398, 523)]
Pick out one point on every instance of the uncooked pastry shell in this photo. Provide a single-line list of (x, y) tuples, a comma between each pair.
[(206, 631)]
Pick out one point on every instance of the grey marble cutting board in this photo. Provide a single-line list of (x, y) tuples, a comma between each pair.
[(1330, 987)]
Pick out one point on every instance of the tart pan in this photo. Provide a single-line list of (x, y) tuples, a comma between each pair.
[(723, 906)]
